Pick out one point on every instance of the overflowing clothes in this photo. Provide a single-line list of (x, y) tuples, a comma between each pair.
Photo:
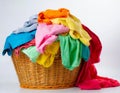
[(88, 78), (47, 32)]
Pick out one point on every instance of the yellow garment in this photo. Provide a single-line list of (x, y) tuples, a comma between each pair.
[(47, 58), (75, 26)]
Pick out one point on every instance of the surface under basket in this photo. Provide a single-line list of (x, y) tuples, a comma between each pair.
[(33, 75)]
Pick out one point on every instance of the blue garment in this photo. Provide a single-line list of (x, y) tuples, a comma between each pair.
[(15, 40), (29, 25), (32, 20), (85, 52), (33, 17)]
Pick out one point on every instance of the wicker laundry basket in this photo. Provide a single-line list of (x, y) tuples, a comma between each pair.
[(33, 75)]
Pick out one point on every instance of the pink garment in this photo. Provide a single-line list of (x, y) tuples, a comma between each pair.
[(88, 78), (31, 43), (47, 34)]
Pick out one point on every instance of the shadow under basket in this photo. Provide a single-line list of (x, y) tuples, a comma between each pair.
[(35, 76)]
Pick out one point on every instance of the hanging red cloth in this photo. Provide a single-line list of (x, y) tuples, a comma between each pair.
[(88, 78)]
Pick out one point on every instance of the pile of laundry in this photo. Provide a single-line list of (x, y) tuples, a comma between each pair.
[(45, 33)]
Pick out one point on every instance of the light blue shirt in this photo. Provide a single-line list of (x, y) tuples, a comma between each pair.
[(29, 25)]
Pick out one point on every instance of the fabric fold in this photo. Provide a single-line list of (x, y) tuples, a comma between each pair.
[(76, 30), (46, 16), (28, 26), (88, 78), (72, 51), (31, 53), (47, 34), (24, 46), (47, 58), (15, 40)]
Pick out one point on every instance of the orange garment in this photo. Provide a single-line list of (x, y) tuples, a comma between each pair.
[(45, 16)]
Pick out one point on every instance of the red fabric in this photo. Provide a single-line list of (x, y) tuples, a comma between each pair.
[(31, 43), (88, 78)]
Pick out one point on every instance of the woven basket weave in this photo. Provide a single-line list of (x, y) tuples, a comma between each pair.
[(33, 75)]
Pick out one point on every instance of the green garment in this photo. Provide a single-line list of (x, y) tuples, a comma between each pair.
[(72, 51), (32, 53)]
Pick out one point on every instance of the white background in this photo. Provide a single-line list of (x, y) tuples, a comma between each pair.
[(101, 16)]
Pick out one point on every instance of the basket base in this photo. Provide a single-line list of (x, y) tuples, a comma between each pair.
[(47, 87)]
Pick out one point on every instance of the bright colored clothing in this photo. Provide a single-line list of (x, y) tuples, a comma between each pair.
[(72, 51), (32, 53), (24, 46), (81, 47), (47, 34), (85, 53), (29, 25), (76, 30), (49, 14), (47, 58), (15, 40), (88, 78)]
